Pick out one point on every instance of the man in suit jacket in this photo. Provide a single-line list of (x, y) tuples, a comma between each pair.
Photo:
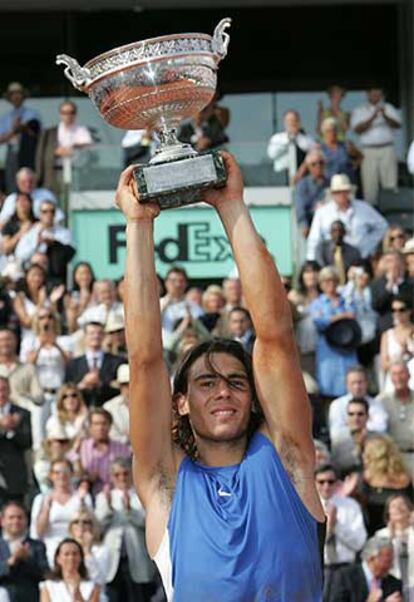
[(369, 581), (23, 562), (94, 371), (15, 439), (239, 326), (326, 251)]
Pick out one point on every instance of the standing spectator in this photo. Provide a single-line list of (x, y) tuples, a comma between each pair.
[(240, 327), (370, 581), (94, 454), (408, 252), (115, 341), (346, 449), (23, 562), (138, 146), (336, 95), (397, 343), (19, 129), (400, 531), (357, 387), (174, 305), (19, 224), (49, 238), (331, 362), (399, 405), (393, 283), (345, 529), (118, 407), (15, 440), (394, 239), (365, 227), (208, 129), (288, 149), (106, 304), (81, 297), (26, 183), (94, 371), (51, 512), (60, 143), (340, 157), (310, 190), (71, 414), (119, 510), (337, 252), (69, 580), (375, 122), (232, 292), (54, 447)]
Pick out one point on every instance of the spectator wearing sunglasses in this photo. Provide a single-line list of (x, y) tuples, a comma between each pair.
[(347, 447), (71, 413), (311, 189), (397, 343)]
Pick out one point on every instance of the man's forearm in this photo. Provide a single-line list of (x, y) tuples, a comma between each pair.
[(262, 287), (142, 305)]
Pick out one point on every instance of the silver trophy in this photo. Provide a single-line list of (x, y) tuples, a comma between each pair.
[(155, 84)]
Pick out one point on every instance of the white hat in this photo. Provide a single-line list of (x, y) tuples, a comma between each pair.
[(340, 182), (122, 376), (56, 430), (408, 247), (115, 322)]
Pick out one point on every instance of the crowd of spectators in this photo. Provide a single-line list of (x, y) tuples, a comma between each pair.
[(71, 520)]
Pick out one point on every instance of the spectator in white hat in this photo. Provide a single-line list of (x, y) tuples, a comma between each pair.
[(408, 252), (118, 406), (365, 227), (115, 341)]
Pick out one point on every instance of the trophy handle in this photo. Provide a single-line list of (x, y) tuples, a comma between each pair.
[(221, 38), (77, 75)]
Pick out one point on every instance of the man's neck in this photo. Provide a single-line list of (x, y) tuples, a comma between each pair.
[(8, 359), (343, 207), (403, 394), (221, 453)]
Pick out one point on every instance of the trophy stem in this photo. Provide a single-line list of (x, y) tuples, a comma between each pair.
[(171, 148)]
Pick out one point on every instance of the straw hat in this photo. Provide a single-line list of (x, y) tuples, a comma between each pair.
[(408, 247), (55, 430), (340, 183), (114, 323), (122, 376)]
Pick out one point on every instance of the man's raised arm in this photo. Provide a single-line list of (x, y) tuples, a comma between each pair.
[(276, 366), (150, 393)]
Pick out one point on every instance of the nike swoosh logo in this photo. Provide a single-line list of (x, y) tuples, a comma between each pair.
[(223, 493)]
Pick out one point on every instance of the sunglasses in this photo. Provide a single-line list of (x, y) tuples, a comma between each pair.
[(69, 112), (315, 163), (325, 481), (398, 310), (47, 211), (46, 317), (400, 236), (66, 395), (356, 414), (61, 471), (123, 473), (79, 521)]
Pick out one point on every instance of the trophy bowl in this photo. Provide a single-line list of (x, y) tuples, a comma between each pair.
[(155, 84)]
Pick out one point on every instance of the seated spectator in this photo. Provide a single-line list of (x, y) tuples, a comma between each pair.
[(288, 149), (340, 157), (400, 531), (19, 224), (370, 581), (26, 183), (69, 578), (54, 447), (399, 405), (376, 122), (174, 305), (207, 130), (408, 252), (397, 343), (394, 239), (240, 328), (15, 440), (357, 387), (131, 573), (336, 95), (23, 562), (232, 292), (194, 295), (322, 453), (84, 529), (106, 304), (51, 512), (213, 302), (311, 189), (138, 146), (81, 296), (59, 143), (115, 341), (118, 407), (331, 362), (71, 413), (94, 370), (301, 297), (346, 450), (393, 283), (345, 529), (365, 227), (337, 252), (94, 454), (52, 239), (384, 474)]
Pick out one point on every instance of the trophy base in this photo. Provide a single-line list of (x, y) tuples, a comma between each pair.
[(181, 182)]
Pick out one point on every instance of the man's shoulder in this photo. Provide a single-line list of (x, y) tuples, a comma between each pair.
[(347, 503), (15, 409), (115, 403)]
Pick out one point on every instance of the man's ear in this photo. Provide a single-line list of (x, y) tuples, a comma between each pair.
[(181, 401)]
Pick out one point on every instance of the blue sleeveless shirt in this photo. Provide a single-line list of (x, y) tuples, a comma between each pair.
[(241, 533)]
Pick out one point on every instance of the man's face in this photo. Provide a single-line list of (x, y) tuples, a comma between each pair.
[(99, 428), (7, 344), (292, 123), (232, 291), (399, 377), (375, 96), (16, 99), (357, 417), (14, 521), (47, 214), (26, 182), (238, 323), (381, 564), (94, 336), (325, 484), (357, 384), (121, 477), (4, 392), (337, 234), (341, 198), (316, 165), (218, 403), (176, 284), (105, 292), (67, 114)]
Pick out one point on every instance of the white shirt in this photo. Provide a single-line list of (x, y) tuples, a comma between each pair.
[(118, 408), (177, 310), (38, 195), (379, 131), (73, 135), (94, 359), (338, 428), (50, 363), (365, 227), (410, 158), (281, 149), (349, 531), (29, 242), (100, 313)]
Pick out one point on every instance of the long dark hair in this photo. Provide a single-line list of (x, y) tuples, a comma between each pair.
[(79, 265), (56, 573), (308, 265), (181, 430)]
